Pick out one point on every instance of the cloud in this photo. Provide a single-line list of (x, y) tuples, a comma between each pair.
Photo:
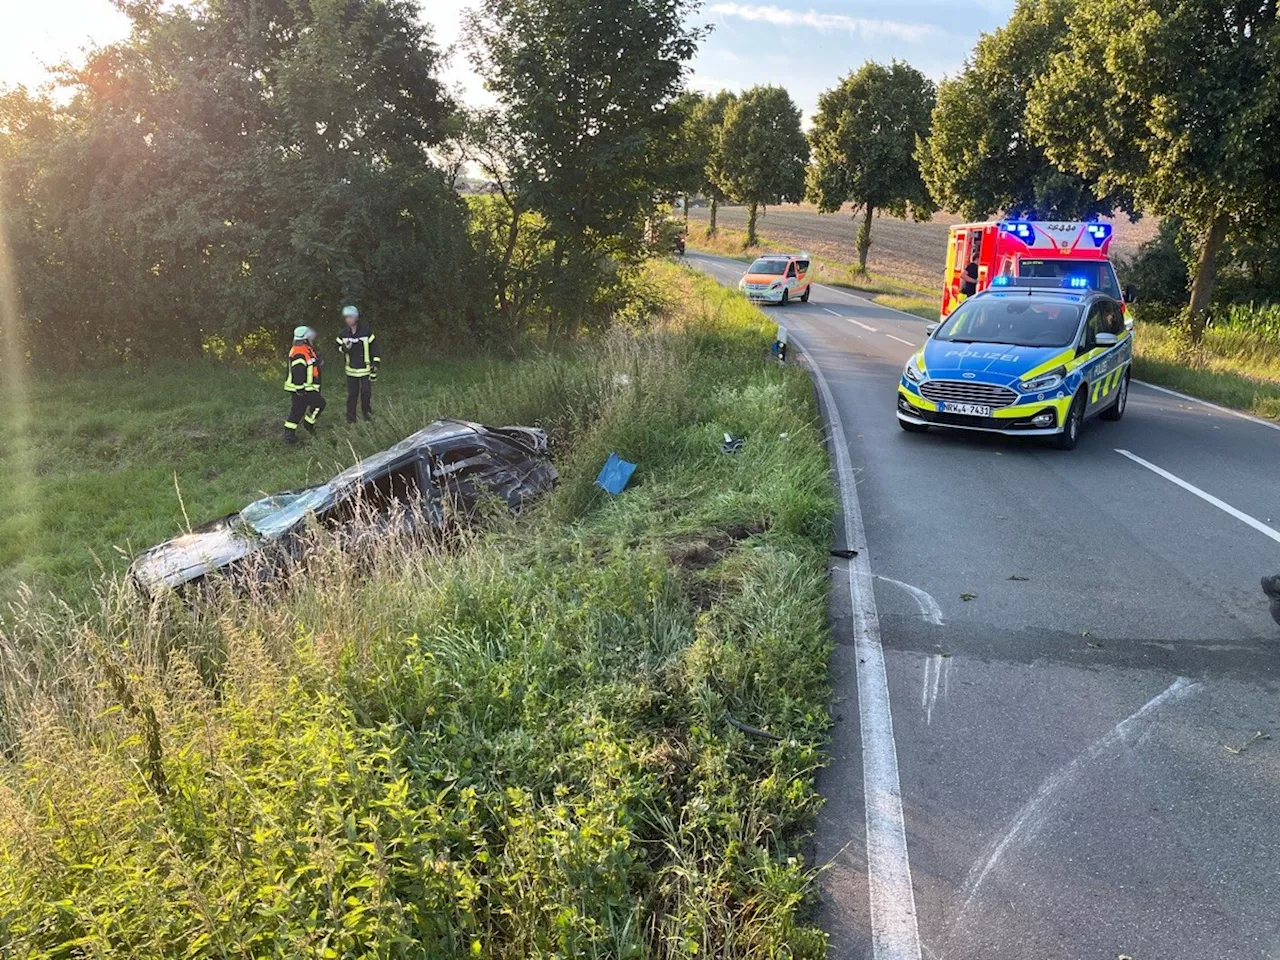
[(827, 22)]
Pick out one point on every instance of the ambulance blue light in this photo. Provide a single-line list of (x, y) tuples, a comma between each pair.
[(1078, 283), (1002, 281)]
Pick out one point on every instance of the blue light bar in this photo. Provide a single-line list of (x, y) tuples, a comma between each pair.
[(1078, 283), (1002, 281), (1098, 232), (1019, 228)]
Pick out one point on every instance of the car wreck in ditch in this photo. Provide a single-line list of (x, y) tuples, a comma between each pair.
[(446, 469)]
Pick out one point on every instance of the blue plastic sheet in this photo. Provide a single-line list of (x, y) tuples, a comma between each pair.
[(615, 474)]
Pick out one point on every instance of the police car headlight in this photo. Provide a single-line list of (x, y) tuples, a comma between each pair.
[(1047, 381), (912, 370)]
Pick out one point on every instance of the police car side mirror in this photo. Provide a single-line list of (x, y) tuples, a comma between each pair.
[(928, 331), (1104, 340), (1130, 293)]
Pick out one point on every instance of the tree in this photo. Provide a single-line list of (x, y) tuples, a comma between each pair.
[(233, 167), (588, 92), (708, 121), (978, 159), (764, 151), (864, 139), (1177, 102)]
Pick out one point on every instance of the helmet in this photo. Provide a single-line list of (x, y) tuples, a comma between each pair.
[(350, 311), (304, 333)]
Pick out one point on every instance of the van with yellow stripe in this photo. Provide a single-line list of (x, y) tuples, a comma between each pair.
[(1023, 359)]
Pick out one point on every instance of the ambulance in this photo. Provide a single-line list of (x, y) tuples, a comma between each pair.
[(1061, 251)]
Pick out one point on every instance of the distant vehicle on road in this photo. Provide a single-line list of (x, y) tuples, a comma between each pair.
[(1030, 248), (1022, 358), (777, 278), (444, 469)]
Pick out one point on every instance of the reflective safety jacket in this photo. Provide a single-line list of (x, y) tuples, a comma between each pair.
[(304, 369), (358, 346)]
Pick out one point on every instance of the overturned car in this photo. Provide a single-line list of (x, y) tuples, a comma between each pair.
[(445, 469)]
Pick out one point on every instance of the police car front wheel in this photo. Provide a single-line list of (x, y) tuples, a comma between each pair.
[(1116, 410), (1070, 434)]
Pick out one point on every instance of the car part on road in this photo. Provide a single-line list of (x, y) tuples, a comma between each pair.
[(1271, 587), (447, 468)]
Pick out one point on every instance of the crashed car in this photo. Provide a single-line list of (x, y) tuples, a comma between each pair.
[(443, 470)]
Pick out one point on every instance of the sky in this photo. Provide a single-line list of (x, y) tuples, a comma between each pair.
[(803, 45)]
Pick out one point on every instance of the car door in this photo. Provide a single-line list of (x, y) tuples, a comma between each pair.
[(802, 271), (1089, 352), (791, 277), (1101, 371)]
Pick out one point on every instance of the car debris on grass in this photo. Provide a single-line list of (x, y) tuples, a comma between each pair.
[(446, 468)]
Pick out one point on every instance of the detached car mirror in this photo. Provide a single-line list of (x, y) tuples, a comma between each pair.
[(1130, 293), (1104, 340), (928, 331)]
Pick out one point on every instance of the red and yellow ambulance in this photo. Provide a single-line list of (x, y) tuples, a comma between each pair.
[(1071, 251)]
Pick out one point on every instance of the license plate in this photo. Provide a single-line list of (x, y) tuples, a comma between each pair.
[(968, 409)]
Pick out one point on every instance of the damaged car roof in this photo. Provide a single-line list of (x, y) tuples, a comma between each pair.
[(456, 458)]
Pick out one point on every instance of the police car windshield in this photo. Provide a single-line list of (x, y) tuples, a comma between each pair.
[(765, 265), (1014, 320)]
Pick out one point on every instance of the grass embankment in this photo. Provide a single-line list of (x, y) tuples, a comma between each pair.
[(886, 289), (1232, 367), (516, 747)]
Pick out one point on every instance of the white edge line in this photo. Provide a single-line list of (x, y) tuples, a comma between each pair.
[(895, 933), (1206, 497), (1212, 406), (899, 339)]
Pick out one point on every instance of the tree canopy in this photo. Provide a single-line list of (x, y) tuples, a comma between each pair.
[(864, 140), (980, 158), (763, 151), (1176, 102), (231, 167), (589, 94)]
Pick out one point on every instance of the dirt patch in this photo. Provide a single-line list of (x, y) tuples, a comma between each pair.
[(703, 552)]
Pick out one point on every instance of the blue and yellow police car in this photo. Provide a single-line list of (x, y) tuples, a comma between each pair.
[(1022, 358)]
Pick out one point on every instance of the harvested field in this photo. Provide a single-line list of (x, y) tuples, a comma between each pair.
[(909, 252)]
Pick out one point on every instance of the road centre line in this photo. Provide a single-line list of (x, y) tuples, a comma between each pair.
[(899, 339), (862, 325), (833, 313), (1207, 497), (895, 933)]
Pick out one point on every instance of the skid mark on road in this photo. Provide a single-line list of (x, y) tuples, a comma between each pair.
[(937, 673), (929, 608), (1031, 817), (1222, 505)]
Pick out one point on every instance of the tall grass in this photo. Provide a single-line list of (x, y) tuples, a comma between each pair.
[(515, 746)]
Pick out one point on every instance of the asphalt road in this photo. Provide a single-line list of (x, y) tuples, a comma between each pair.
[(1078, 658)]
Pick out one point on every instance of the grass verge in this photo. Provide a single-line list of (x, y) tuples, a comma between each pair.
[(519, 746), (886, 290), (1230, 367)]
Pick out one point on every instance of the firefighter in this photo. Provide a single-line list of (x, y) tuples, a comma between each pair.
[(357, 344), (303, 384)]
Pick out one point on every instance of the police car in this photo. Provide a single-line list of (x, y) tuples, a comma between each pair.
[(1022, 358)]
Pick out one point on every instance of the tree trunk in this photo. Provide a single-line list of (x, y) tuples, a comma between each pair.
[(864, 238), (711, 229), (686, 214), (1206, 274), (751, 223)]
